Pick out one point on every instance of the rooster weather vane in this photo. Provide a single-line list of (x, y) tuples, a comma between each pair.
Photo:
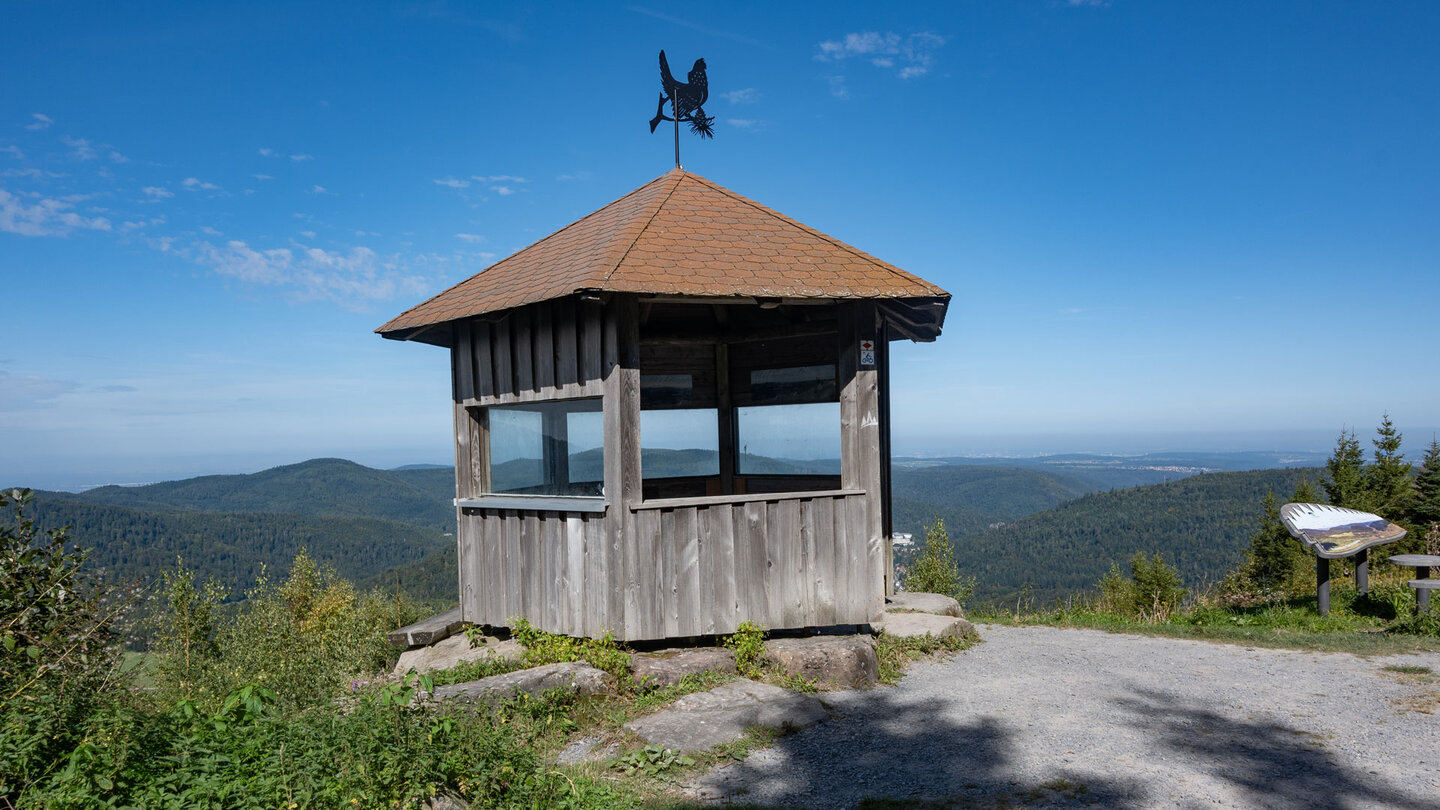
[(685, 100)]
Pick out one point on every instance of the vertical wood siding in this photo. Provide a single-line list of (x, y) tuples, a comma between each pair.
[(700, 570), (550, 350)]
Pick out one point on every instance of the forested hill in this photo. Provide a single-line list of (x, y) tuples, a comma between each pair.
[(319, 487), (1200, 524), (135, 545), (970, 498)]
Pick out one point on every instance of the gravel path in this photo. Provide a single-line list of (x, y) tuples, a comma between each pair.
[(1043, 717)]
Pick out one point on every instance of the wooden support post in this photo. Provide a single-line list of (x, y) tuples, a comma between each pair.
[(1422, 595), (1362, 571), (725, 419), (1322, 585)]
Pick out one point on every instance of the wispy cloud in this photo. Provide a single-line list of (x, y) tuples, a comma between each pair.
[(319, 189), (80, 148), (45, 216), (301, 157), (13, 151), (266, 151), (158, 193), (39, 121), (196, 184), (472, 238), (1088, 3), (744, 123), (838, 88), (451, 182), (748, 95), (206, 229), (28, 393), (498, 178), (116, 157), (31, 172), (353, 277), (909, 56), (262, 177), (704, 29)]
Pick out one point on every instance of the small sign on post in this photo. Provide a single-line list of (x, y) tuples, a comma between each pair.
[(867, 354)]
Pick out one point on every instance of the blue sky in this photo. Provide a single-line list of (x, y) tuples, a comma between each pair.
[(1164, 224)]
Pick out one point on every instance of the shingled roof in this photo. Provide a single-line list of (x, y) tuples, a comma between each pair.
[(679, 234)]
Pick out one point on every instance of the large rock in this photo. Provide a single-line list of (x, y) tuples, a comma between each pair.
[(922, 624), (429, 631), (573, 677), (454, 650), (834, 662), (707, 719), (667, 667), (936, 603)]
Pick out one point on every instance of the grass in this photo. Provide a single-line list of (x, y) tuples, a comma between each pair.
[(1367, 625)]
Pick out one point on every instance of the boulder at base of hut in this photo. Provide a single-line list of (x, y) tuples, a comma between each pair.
[(573, 677), (939, 604), (904, 625), (454, 650), (707, 719), (667, 667), (832, 662)]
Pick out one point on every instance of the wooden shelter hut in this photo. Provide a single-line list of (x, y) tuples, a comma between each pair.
[(672, 416)]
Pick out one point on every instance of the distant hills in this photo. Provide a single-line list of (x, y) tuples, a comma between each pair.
[(1053, 522)]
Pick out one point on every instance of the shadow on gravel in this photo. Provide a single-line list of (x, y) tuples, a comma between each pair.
[(1273, 766), (881, 753)]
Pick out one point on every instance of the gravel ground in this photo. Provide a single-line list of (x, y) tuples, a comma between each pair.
[(1044, 717)]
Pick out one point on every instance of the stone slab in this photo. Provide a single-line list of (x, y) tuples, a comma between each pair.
[(706, 719), (454, 650), (936, 603), (428, 631), (667, 667), (906, 625), (578, 678), (833, 662)]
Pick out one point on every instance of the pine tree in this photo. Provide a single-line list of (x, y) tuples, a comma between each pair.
[(1387, 481), (1424, 502), (1345, 483)]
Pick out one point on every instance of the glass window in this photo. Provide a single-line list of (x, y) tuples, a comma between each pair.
[(547, 448), (789, 439), (679, 443), (794, 384)]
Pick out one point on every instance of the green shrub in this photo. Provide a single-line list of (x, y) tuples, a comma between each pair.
[(935, 570), (1151, 593), (748, 643), (58, 657), (547, 648)]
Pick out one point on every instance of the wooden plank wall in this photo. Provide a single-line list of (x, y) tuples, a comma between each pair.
[(783, 563), (550, 350)]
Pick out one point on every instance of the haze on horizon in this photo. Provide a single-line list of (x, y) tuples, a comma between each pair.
[(1165, 226)]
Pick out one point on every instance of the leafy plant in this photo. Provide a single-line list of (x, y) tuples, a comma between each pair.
[(547, 648), (935, 570), (653, 761), (1152, 591), (748, 643)]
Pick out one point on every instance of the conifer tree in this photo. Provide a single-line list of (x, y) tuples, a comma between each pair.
[(1345, 480), (1425, 498), (1387, 481)]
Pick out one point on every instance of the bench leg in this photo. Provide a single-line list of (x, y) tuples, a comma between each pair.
[(1322, 585), (1362, 572), (1422, 595)]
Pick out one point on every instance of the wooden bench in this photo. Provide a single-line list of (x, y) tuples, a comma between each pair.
[(1423, 587), (429, 631)]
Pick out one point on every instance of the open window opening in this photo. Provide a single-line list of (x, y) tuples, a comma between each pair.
[(547, 448), (737, 400)]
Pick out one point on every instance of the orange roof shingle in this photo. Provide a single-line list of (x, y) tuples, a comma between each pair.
[(679, 234)]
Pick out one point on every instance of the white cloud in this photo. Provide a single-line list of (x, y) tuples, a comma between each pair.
[(912, 54), (748, 95), (158, 193), (27, 393), (41, 121), (472, 238), (13, 151), (499, 178), (451, 182), (82, 148), (262, 177), (299, 158), (206, 229), (116, 157), (743, 123), (308, 234), (503, 191), (46, 217), (353, 277), (196, 184), (837, 86), (565, 178), (266, 152), (319, 189)]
